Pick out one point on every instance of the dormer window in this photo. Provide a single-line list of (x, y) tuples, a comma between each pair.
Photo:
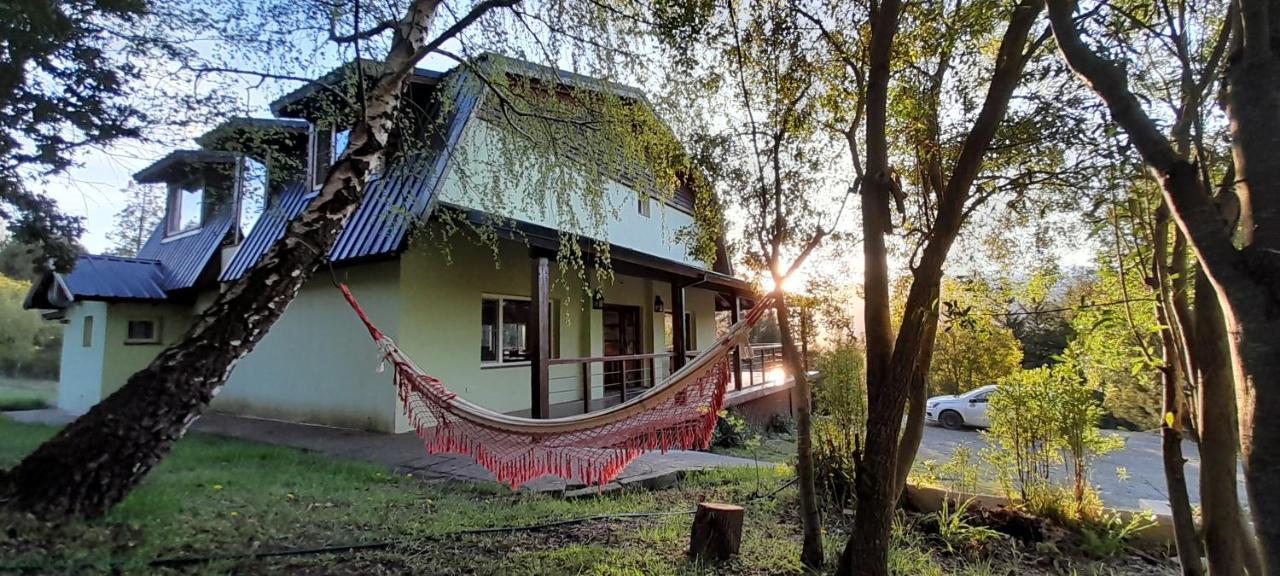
[(186, 204), (326, 145)]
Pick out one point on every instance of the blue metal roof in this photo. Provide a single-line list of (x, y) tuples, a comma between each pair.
[(184, 257), (386, 213), (116, 277), (269, 228)]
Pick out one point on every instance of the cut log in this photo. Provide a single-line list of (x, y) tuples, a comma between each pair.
[(717, 531)]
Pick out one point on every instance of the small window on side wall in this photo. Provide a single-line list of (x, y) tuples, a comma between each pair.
[(86, 339), (143, 332)]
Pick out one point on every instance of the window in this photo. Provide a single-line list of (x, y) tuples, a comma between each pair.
[(142, 332), (340, 140), (86, 339), (504, 330), (326, 145), (185, 206), (321, 155)]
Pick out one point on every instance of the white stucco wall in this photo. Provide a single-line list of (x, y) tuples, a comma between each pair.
[(80, 381), (478, 171)]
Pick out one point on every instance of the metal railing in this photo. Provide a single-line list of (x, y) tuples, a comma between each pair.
[(621, 378)]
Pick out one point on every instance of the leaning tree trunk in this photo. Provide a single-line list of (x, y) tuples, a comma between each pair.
[(913, 432), (97, 460), (811, 554), (1173, 411)]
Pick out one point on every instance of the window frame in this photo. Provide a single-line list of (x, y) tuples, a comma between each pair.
[(173, 209), (155, 331), (313, 154), (86, 335), (501, 299)]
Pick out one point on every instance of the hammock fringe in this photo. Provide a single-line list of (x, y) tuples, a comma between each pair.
[(591, 452)]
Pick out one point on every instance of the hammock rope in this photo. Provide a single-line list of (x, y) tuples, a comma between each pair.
[(679, 413)]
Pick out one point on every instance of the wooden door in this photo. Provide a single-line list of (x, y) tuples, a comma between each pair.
[(622, 338)]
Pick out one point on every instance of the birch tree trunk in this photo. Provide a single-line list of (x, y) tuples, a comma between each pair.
[(97, 460)]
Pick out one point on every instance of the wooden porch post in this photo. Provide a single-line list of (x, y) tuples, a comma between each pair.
[(540, 338), (735, 316), (678, 345)]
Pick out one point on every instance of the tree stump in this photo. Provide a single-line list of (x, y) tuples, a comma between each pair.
[(717, 531)]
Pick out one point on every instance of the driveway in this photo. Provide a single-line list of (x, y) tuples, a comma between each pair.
[(1143, 489)]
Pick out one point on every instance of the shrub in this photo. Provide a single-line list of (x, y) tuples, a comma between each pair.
[(840, 412), (731, 431), (1041, 418)]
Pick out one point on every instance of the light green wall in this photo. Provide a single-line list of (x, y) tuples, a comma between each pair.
[(317, 364), (440, 325), (80, 380), (480, 169), (92, 373), (121, 359)]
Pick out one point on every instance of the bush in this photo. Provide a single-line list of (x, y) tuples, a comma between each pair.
[(1042, 418), (840, 413), (731, 431)]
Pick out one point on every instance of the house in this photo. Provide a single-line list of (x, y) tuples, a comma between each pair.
[(461, 307)]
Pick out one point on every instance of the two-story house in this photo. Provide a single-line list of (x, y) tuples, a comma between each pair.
[(460, 307)]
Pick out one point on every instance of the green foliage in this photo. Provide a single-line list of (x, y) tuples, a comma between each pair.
[(1114, 348), (1109, 535), (1042, 418), (29, 346), (955, 530), (731, 431), (839, 421), (68, 66), (972, 349), (959, 473)]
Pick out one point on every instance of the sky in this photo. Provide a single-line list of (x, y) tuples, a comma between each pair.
[(94, 188)]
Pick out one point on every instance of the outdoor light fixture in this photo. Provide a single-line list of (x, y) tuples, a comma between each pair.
[(597, 299), (657, 304)]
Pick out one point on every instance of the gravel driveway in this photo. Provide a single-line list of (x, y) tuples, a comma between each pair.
[(1144, 489)]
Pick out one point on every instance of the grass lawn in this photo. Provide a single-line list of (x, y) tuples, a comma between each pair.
[(221, 497), (23, 394)]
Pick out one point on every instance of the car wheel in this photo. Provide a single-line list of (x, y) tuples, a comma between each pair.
[(951, 420)]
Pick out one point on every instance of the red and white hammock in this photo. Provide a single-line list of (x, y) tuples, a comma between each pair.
[(678, 414)]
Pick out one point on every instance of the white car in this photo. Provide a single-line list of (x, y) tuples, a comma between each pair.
[(956, 412)]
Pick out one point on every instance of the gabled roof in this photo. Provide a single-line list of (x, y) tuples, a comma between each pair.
[(184, 257), (295, 103), (163, 169), (385, 216), (98, 278)]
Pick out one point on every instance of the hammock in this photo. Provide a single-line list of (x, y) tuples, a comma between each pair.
[(677, 414)]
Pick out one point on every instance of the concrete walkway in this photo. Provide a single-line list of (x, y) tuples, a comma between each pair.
[(404, 453)]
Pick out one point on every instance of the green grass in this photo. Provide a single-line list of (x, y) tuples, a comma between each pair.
[(218, 497), (24, 394)]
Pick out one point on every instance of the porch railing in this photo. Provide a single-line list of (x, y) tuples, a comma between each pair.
[(604, 381)]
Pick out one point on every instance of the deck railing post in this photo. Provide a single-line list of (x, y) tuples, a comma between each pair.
[(586, 387)]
